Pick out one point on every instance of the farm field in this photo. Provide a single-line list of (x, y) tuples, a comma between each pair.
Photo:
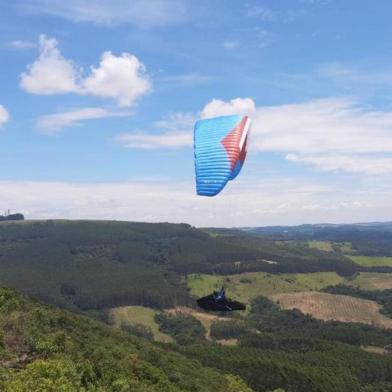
[(371, 261), (326, 246), (132, 315), (372, 281), (246, 286), (327, 306)]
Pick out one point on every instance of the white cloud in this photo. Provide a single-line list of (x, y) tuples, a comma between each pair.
[(260, 202), (155, 141), (122, 78), (4, 115), (331, 134), (349, 163), (20, 44), (177, 133), (145, 14), (51, 73), (217, 107), (328, 134), (177, 122), (53, 123)]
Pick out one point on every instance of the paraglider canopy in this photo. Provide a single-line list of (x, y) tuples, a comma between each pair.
[(220, 147)]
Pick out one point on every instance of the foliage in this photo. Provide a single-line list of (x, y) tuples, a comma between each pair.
[(184, 329), (231, 329), (383, 297), (48, 349), (84, 265)]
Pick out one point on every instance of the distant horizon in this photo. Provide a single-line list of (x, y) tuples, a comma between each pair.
[(198, 227)]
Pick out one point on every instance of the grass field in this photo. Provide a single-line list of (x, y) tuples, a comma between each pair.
[(371, 261), (249, 285), (372, 281), (326, 246), (138, 315), (327, 306)]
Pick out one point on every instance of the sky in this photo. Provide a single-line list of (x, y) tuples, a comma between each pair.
[(98, 100)]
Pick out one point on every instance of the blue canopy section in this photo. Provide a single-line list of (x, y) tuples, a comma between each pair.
[(212, 163)]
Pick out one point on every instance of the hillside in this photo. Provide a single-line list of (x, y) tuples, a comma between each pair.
[(83, 265), (52, 350), (142, 280), (44, 348)]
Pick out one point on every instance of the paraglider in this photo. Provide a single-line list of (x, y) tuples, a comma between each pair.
[(217, 301), (220, 147)]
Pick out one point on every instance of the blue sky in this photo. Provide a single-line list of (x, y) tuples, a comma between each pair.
[(98, 100)]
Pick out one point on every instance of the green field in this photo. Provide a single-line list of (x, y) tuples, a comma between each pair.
[(372, 281), (132, 315), (249, 285), (326, 246), (371, 261)]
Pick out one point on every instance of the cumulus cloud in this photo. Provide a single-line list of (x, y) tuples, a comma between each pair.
[(145, 14), (258, 203), (217, 107), (175, 132), (51, 73), (53, 123), (4, 115), (122, 78), (328, 134)]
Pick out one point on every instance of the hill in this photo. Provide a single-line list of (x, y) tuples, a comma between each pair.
[(83, 265), (46, 349)]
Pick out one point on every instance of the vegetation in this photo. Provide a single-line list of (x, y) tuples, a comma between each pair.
[(327, 306), (11, 217), (47, 349), (371, 281), (183, 328), (246, 286), (141, 279), (372, 239), (326, 246), (298, 353), (131, 317), (382, 297), (82, 265), (372, 261)]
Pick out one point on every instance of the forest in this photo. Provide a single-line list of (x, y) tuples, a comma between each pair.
[(66, 263), (64, 282)]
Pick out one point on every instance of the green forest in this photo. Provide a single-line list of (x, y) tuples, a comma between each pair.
[(62, 280)]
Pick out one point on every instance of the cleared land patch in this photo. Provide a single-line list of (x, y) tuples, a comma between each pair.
[(326, 246), (205, 318), (131, 315), (327, 306), (372, 281), (246, 286), (372, 261)]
